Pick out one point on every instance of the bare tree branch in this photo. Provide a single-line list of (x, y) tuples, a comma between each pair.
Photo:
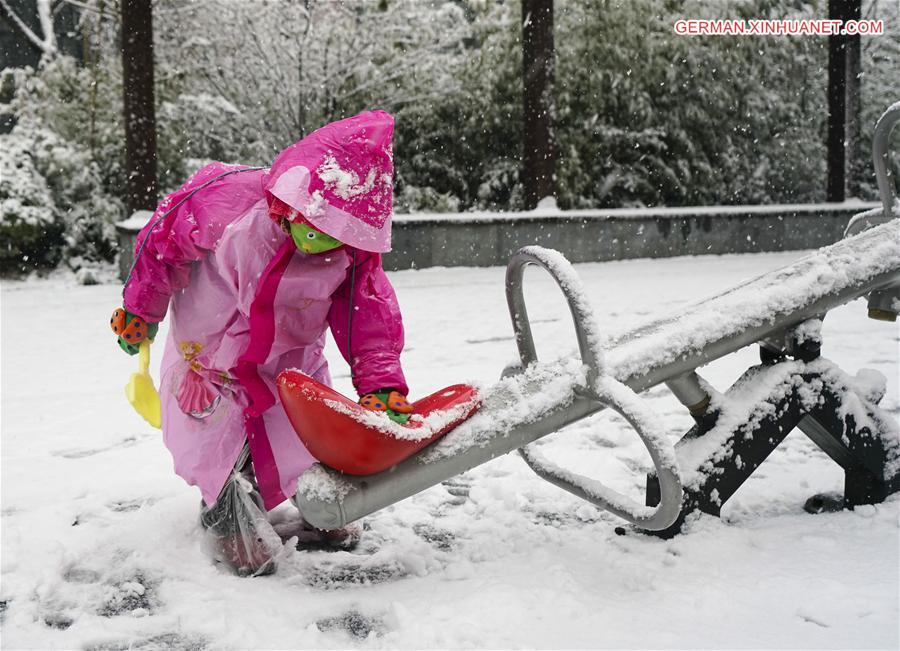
[(45, 15), (29, 34), (112, 12)]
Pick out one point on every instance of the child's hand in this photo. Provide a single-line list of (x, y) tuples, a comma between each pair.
[(390, 401), (132, 330)]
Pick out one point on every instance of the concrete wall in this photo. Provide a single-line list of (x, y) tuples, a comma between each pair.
[(590, 236), (489, 239)]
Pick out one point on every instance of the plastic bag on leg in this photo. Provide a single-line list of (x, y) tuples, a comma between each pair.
[(238, 531)]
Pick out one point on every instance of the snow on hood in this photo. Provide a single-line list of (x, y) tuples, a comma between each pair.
[(340, 179)]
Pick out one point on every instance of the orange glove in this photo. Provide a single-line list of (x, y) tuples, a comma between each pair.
[(390, 401), (131, 330)]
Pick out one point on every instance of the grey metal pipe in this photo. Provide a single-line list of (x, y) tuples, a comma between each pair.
[(374, 492), (582, 315), (881, 302), (690, 392), (880, 142), (650, 518)]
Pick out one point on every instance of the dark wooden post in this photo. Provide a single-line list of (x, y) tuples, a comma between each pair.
[(538, 156), (138, 108), (857, 166), (843, 97)]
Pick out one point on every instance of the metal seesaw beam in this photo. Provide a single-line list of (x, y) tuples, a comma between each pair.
[(750, 312)]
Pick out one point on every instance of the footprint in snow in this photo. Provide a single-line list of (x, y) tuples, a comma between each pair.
[(80, 454), (441, 539), (551, 519), (58, 620), (120, 506), (162, 642), (81, 575), (135, 597), (339, 574), (127, 506), (458, 487), (597, 439), (489, 340), (354, 623), (584, 515)]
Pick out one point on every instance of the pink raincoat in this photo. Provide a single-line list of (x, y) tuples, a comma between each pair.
[(244, 303)]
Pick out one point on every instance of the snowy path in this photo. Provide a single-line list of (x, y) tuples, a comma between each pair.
[(100, 548)]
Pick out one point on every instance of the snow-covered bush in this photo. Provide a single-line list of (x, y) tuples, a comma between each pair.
[(29, 231), (663, 119), (52, 196), (69, 149), (85, 209)]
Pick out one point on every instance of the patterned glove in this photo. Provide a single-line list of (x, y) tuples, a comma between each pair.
[(391, 402), (132, 330)]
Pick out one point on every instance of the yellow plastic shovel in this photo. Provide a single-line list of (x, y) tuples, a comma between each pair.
[(140, 391)]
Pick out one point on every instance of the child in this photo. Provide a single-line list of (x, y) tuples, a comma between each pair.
[(252, 264)]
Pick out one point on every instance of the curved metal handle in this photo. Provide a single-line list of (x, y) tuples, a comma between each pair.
[(661, 452), (600, 387), (883, 128), (881, 300), (582, 315)]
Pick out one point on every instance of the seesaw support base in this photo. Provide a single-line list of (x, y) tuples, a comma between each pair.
[(721, 452)]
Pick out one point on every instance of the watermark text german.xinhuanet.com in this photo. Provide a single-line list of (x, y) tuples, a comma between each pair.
[(783, 27)]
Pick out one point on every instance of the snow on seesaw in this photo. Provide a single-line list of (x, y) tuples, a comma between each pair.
[(101, 547)]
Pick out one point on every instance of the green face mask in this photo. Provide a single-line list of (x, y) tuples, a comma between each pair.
[(309, 240)]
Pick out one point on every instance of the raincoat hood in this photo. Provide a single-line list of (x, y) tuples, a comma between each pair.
[(340, 179)]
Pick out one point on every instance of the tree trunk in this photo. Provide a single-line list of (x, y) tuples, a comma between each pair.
[(843, 98), (857, 166), (538, 158), (139, 112)]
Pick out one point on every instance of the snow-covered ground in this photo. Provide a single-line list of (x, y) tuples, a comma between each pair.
[(101, 550)]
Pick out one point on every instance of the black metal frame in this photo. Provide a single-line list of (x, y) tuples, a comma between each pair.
[(860, 451)]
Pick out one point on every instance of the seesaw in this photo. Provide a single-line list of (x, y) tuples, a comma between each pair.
[(794, 386)]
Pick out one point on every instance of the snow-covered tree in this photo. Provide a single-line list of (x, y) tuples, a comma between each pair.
[(643, 116), (243, 80)]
